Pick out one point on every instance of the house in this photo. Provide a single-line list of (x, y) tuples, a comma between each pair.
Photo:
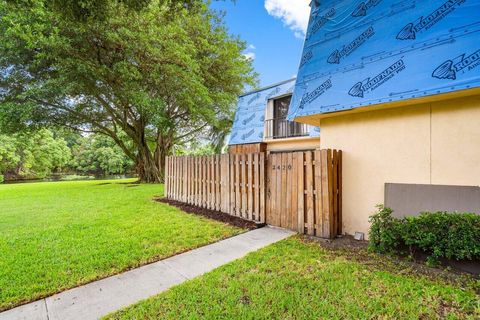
[(396, 86), (260, 123)]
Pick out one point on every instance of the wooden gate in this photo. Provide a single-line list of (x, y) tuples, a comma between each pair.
[(304, 192)]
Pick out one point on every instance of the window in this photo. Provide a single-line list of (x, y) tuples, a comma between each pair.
[(279, 127), (280, 107)]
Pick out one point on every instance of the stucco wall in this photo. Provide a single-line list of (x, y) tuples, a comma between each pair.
[(293, 144), (436, 143)]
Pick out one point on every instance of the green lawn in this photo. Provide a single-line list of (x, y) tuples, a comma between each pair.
[(54, 236), (294, 279)]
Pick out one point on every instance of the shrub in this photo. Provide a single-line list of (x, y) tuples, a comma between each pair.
[(439, 234), (444, 235), (385, 233), (2, 178)]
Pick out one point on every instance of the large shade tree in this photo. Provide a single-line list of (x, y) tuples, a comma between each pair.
[(157, 77)]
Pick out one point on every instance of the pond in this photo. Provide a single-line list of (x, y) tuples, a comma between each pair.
[(58, 178)]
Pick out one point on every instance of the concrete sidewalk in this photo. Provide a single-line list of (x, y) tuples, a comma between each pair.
[(99, 298)]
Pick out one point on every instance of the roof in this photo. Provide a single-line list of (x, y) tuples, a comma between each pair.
[(248, 126), (359, 54), (278, 84)]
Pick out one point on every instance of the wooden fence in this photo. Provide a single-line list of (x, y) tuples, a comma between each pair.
[(304, 192), (232, 184), (300, 191)]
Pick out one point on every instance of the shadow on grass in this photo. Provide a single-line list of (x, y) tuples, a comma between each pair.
[(128, 184)]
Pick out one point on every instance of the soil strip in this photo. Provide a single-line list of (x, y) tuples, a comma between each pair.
[(211, 214)]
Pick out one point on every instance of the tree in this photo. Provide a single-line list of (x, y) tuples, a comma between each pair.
[(8, 157), (32, 155), (99, 155), (83, 10), (160, 79)]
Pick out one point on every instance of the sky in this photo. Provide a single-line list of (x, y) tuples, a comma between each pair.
[(274, 31)]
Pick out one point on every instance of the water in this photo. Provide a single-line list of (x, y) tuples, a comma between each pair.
[(72, 178)]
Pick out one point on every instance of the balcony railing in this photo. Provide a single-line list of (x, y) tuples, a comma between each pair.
[(281, 128)]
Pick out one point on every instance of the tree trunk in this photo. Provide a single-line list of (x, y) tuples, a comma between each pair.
[(146, 167), (163, 149), (160, 154)]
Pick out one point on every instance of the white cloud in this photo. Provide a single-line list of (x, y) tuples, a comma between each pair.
[(293, 13), (249, 55)]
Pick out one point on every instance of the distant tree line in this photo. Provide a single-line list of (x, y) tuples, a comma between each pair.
[(45, 153)]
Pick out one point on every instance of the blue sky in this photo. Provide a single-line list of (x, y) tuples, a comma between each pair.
[(274, 32)]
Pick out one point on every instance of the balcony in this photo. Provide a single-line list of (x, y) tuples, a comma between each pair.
[(281, 129)]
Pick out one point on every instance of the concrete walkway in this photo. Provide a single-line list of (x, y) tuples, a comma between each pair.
[(99, 298)]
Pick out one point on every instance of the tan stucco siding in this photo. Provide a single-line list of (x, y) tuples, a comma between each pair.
[(293, 144), (456, 142), (435, 143)]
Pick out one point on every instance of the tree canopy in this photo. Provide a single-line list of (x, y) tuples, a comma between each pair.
[(83, 10), (99, 155), (32, 155), (158, 78)]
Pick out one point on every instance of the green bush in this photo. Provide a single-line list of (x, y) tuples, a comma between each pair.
[(385, 233), (439, 234), (444, 235), (2, 178)]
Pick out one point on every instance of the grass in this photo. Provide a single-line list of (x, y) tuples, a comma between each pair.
[(295, 279), (55, 236)]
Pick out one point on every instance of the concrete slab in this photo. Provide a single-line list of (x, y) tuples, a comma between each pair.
[(33, 311), (99, 298)]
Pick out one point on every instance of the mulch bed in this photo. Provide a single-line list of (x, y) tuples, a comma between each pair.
[(211, 214), (341, 242)]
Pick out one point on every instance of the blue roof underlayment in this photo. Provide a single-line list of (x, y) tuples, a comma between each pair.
[(361, 53), (249, 123)]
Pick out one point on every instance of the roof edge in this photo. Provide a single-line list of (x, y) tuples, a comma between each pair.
[(267, 87), (314, 118)]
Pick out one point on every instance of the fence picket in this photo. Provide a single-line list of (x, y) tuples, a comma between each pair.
[(325, 195), (256, 187), (261, 185), (250, 186), (318, 194), (231, 167), (283, 190), (301, 192), (238, 205), (289, 209), (244, 191)]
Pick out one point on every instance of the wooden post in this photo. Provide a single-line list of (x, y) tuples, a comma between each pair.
[(339, 193), (325, 195), (309, 182)]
